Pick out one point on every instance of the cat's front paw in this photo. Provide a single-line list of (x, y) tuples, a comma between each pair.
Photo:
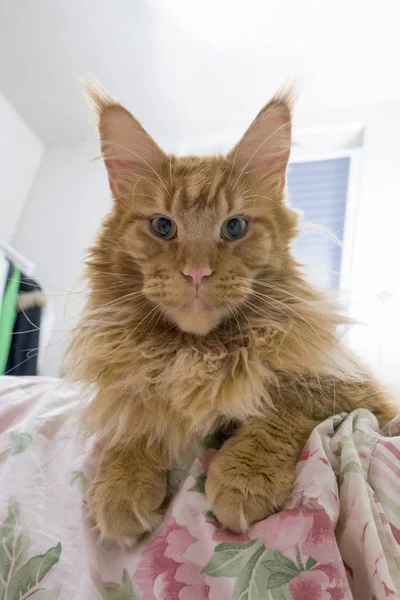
[(243, 488), (123, 509)]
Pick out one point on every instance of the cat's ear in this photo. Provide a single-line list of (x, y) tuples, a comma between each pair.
[(128, 150), (265, 147)]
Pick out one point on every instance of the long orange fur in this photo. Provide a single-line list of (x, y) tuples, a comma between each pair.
[(261, 353)]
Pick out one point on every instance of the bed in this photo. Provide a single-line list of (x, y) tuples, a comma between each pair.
[(338, 537)]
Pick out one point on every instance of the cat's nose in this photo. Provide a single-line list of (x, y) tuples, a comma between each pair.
[(197, 275)]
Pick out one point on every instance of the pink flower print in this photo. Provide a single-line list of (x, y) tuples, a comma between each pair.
[(317, 584), (284, 530), (310, 585), (308, 452), (156, 570), (320, 542), (178, 541), (195, 587)]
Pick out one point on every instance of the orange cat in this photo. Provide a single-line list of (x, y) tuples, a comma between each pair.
[(199, 319)]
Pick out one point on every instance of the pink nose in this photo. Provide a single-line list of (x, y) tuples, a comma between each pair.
[(196, 275)]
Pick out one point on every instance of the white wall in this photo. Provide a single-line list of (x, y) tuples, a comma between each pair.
[(20, 154), (375, 278), (67, 201), (374, 283)]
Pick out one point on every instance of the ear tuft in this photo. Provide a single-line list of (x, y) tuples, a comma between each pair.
[(96, 96), (286, 97)]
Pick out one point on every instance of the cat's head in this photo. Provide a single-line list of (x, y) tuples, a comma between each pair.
[(194, 233)]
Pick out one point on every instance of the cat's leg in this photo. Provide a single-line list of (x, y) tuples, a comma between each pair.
[(127, 491), (252, 475)]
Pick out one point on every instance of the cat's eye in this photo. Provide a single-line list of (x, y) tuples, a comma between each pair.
[(163, 227), (234, 228)]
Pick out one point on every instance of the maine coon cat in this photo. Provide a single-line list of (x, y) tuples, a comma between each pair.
[(199, 319)]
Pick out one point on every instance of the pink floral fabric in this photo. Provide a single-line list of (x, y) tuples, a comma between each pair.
[(338, 537)]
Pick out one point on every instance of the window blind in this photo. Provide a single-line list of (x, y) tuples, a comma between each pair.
[(319, 189)]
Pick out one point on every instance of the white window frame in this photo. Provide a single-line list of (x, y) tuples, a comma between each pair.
[(352, 207)]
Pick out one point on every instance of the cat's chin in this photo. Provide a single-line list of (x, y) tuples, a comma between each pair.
[(197, 319)]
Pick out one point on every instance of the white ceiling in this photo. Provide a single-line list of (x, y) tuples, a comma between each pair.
[(187, 67)]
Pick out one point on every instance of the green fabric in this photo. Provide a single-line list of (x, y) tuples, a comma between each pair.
[(8, 316)]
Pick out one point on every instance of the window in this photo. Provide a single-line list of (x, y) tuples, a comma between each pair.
[(320, 190)]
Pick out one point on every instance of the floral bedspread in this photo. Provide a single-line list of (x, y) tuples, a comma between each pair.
[(337, 538)]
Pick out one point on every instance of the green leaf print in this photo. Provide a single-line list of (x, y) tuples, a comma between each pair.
[(350, 467), (266, 570), (79, 478), (19, 579), (25, 386), (127, 583), (257, 569), (310, 563), (346, 440), (200, 485), (19, 443), (229, 559), (213, 441), (281, 593), (278, 579), (13, 546), (42, 594), (113, 591), (31, 574), (210, 515), (280, 568), (248, 585)]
